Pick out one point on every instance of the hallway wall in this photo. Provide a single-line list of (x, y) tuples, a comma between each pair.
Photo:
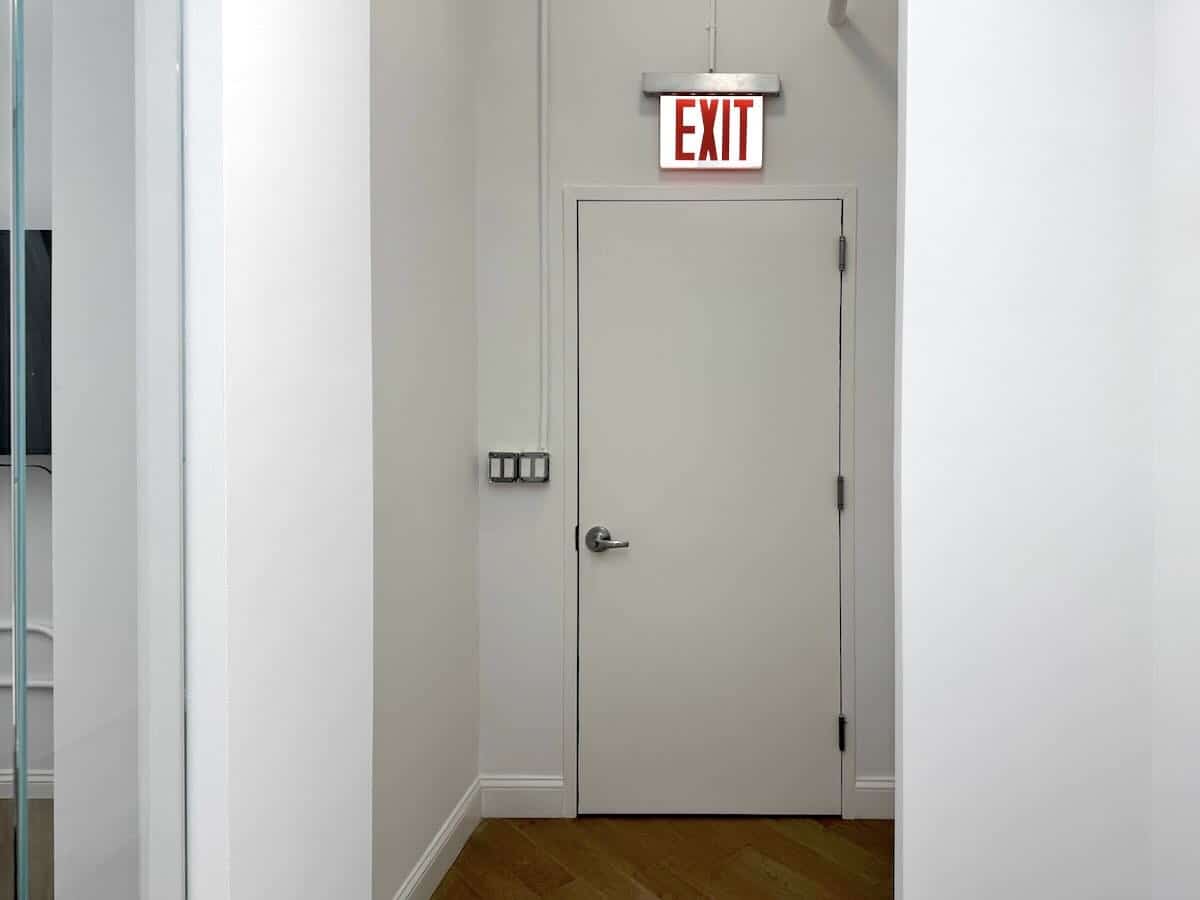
[(1177, 448), (834, 124), (280, 594), (1025, 451), (93, 511), (426, 745)]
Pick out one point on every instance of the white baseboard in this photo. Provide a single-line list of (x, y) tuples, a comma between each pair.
[(522, 796), (41, 784), (541, 797), (874, 797), (431, 868)]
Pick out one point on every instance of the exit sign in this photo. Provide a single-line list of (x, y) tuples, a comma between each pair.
[(714, 132)]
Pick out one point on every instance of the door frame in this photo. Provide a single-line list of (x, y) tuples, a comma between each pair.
[(573, 195)]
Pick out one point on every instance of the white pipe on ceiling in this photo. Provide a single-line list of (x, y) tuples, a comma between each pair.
[(837, 12)]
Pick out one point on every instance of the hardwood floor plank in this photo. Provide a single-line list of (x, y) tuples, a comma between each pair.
[(576, 890), (709, 839), (707, 851), (531, 865), (661, 881), (454, 887), (639, 840), (835, 847), (839, 881), (747, 875), (642, 847), (488, 875), (866, 834), (563, 840), (776, 880)]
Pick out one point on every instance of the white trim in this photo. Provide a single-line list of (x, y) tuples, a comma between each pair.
[(435, 862), (158, 172), (567, 308), (897, 447), (849, 540), (41, 784), (522, 796), (874, 797)]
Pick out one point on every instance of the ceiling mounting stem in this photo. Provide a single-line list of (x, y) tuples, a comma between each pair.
[(837, 12), (712, 36)]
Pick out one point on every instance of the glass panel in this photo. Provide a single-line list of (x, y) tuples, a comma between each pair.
[(18, 447), (91, 609)]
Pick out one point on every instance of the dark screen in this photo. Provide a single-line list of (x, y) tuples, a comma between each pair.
[(37, 332)]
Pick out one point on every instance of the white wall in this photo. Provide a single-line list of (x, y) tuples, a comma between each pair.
[(95, 463), (426, 494), (835, 123), (1176, 723), (206, 582), (1025, 451), (280, 438), (162, 760)]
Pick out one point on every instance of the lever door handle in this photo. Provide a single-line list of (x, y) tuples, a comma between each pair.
[(598, 539)]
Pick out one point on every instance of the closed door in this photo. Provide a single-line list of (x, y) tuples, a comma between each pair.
[(709, 677)]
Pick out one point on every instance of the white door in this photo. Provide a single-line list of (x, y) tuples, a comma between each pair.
[(709, 677)]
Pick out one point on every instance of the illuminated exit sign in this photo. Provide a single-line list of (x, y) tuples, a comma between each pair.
[(715, 132)]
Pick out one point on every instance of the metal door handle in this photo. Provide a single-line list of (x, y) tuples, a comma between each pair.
[(598, 539)]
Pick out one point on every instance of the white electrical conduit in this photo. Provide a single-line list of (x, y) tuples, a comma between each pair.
[(837, 12), (543, 225), (712, 36), (45, 631)]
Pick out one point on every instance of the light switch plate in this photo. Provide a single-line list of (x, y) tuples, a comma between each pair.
[(534, 467), (503, 467)]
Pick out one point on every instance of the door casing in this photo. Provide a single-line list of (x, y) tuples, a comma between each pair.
[(573, 195)]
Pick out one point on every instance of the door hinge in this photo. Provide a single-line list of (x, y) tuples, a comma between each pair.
[(576, 538), (842, 734), (842, 253), (841, 492)]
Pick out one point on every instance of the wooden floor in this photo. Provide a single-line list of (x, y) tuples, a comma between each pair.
[(743, 858)]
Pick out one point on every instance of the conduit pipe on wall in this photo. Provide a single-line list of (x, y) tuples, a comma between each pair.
[(543, 225), (837, 12)]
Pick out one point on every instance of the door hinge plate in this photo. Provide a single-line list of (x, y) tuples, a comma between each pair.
[(841, 492), (842, 734), (842, 253), (576, 538)]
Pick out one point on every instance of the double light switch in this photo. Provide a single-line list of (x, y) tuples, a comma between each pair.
[(530, 467)]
